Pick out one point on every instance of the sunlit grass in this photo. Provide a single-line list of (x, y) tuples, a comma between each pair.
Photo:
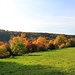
[(56, 62)]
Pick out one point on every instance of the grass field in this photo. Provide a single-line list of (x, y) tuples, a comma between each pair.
[(57, 62)]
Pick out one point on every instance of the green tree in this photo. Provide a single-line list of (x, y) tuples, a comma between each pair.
[(17, 45), (18, 48)]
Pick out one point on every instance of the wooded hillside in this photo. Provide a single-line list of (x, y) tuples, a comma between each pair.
[(5, 35)]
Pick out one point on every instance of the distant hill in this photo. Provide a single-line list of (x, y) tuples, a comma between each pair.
[(5, 35)]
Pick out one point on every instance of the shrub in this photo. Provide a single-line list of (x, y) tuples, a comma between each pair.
[(3, 51), (8, 48), (60, 39), (1, 43), (29, 49), (33, 48), (41, 47), (51, 46), (28, 45), (41, 43), (62, 45), (18, 48), (17, 45), (70, 42)]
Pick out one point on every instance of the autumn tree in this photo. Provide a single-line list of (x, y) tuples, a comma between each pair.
[(51, 45), (17, 45), (18, 48), (70, 42), (34, 48), (41, 43), (60, 39), (1, 43), (23, 35), (3, 50), (28, 45)]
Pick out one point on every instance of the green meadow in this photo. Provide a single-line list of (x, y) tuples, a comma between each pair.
[(56, 62)]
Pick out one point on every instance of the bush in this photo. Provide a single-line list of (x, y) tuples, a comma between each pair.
[(3, 51), (70, 42), (41, 48), (18, 48), (1, 43), (62, 45), (60, 39), (34, 48), (29, 49), (51, 46), (8, 48)]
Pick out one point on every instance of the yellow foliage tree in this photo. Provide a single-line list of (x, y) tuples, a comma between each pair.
[(17, 45), (15, 39), (60, 39)]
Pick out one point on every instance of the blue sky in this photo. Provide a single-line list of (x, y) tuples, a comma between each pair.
[(52, 16)]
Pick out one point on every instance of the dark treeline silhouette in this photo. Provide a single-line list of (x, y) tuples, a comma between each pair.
[(5, 35)]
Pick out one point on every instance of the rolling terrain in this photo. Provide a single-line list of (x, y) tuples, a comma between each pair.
[(56, 62)]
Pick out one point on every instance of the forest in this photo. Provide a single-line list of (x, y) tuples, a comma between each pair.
[(20, 43), (5, 35)]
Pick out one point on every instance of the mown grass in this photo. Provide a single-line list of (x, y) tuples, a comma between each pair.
[(57, 62)]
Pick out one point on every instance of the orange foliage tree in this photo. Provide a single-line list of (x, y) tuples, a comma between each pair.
[(41, 43), (1, 43), (28, 44), (3, 50)]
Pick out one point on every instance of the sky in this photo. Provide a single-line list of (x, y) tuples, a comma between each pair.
[(51, 16)]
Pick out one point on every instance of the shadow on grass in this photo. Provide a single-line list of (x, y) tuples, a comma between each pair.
[(9, 68), (33, 55)]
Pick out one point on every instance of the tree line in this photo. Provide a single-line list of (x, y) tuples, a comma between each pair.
[(20, 45), (5, 35)]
